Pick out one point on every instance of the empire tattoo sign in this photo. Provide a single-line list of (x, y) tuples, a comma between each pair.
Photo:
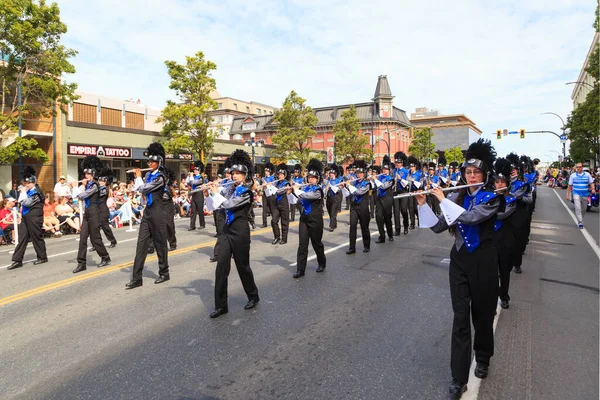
[(99, 151)]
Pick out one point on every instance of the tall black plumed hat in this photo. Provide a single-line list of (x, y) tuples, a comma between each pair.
[(514, 161), (526, 162), (221, 171), (400, 157), (431, 165), (199, 165), (334, 168), (106, 175), (480, 154), (442, 161), (227, 166), (315, 168), (29, 174), (297, 167), (412, 160), (156, 152), (376, 169), (454, 164), (282, 169), (92, 165), (536, 161), (241, 162), (360, 165), (386, 163), (269, 167), (502, 169), (170, 174)]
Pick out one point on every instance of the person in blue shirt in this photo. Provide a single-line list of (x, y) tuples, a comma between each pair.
[(350, 176), (519, 189), (400, 206), (267, 201), (195, 180), (433, 181), (297, 179), (334, 197), (359, 210), (104, 181), (384, 200), (442, 172), (169, 212), (219, 215), (416, 180), (469, 214), (581, 184), (30, 228), (281, 206), (311, 218)]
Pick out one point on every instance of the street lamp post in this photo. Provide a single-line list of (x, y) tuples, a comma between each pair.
[(582, 82), (252, 142), (562, 128)]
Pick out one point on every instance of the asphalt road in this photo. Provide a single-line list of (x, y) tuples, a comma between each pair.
[(372, 326)]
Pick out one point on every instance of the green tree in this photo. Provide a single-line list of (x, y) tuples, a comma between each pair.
[(22, 146), (295, 129), (584, 121), (422, 147), (32, 58), (186, 124), (455, 154), (349, 143)]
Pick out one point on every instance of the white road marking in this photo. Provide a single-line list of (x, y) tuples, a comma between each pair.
[(584, 231), (445, 261), (314, 256), (66, 252)]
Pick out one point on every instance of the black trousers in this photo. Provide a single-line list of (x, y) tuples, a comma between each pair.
[(474, 294), (90, 228), (220, 225), (30, 230), (281, 210), (504, 240), (266, 207), (434, 203), (348, 203), (334, 206), (152, 228), (383, 215), (293, 209), (400, 208), (310, 229), (170, 226), (104, 215), (234, 241), (197, 209), (372, 204), (360, 213), (520, 223)]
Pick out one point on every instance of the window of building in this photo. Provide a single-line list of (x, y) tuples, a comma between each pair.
[(248, 126), (219, 106), (235, 106), (258, 111), (248, 109), (219, 118)]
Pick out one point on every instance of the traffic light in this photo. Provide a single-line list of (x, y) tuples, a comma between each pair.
[(522, 133), (499, 134)]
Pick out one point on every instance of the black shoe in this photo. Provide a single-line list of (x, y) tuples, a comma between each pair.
[(174, 247), (331, 229), (213, 259), (457, 389), (391, 239), (406, 230), (151, 250), (40, 261), (397, 233), (380, 240), (504, 304), (263, 226), (202, 227), (93, 249), (191, 229), (298, 274), (133, 284), (16, 264), (275, 241), (80, 267), (365, 250), (321, 268), (351, 251), (105, 261), (517, 270), (283, 242), (218, 312), (251, 304), (412, 226), (481, 370), (252, 225), (112, 245), (163, 278)]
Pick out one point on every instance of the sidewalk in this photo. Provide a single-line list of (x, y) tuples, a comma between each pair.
[(547, 342)]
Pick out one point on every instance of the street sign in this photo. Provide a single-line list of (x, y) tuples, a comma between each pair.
[(563, 138), (505, 132), (513, 132)]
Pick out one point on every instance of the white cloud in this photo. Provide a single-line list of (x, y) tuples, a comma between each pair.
[(500, 63)]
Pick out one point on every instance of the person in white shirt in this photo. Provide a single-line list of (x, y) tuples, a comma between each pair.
[(62, 188)]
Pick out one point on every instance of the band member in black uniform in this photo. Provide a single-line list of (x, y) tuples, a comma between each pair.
[(350, 176), (281, 207), (196, 179), (297, 179), (469, 214), (529, 177), (359, 210), (371, 192), (104, 181), (334, 195), (90, 224), (311, 218), (153, 227), (235, 240), (433, 181), (384, 201), (219, 215), (167, 197), (416, 180), (267, 201), (520, 219), (32, 220), (401, 186), (504, 237)]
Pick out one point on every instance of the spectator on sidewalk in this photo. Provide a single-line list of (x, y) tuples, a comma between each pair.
[(580, 185), (51, 223), (13, 192), (61, 188), (7, 219)]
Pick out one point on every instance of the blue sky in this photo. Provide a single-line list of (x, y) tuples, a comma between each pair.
[(500, 63)]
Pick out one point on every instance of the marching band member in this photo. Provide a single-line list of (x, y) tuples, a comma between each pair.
[(416, 181), (311, 218), (167, 197), (334, 195), (104, 181), (297, 179), (469, 214), (359, 209), (350, 176), (384, 201), (31, 199), (433, 181), (90, 225), (504, 237), (219, 214), (455, 175), (529, 176), (194, 180), (235, 240), (152, 227), (371, 192), (441, 172), (520, 190), (268, 202), (281, 207), (401, 186)]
